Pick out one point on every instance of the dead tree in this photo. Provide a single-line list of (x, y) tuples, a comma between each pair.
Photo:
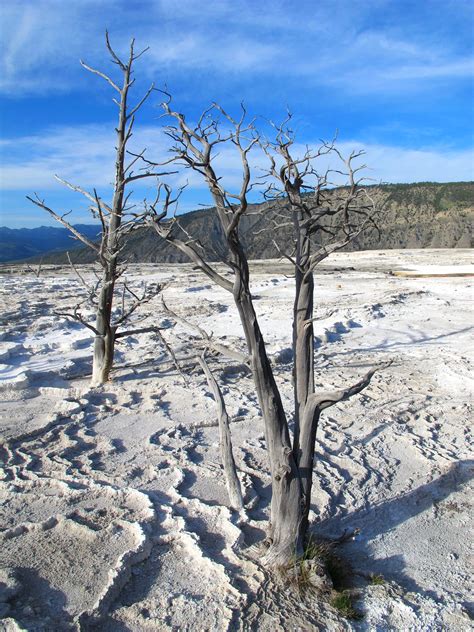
[(36, 271), (227, 455), (116, 221), (325, 219), (196, 146), (209, 346)]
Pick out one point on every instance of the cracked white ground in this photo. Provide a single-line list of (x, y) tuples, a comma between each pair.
[(114, 514)]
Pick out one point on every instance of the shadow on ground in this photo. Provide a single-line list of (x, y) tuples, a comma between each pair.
[(380, 519)]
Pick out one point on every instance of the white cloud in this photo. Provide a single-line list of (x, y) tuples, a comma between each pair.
[(85, 156), (331, 42), (42, 40), (398, 164)]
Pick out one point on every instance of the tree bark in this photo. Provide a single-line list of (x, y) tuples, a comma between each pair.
[(303, 350), (230, 471), (104, 343), (286, 509), (291, 466), (309, 427), (303, 332)]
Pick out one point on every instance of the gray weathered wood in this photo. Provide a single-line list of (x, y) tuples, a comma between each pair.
[(308, 214), (194, 146), (113, 228), (227, 454), (291, 463)]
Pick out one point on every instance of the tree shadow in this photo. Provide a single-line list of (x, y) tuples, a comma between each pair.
[(416, 338), (37, 605), (382, 518)]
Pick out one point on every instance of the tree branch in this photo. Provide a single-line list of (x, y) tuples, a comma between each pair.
[(230, 471), (209, 343), (78, 189), (133, 332), (101, 74), (62, 221), (324, 400), (145, 97)]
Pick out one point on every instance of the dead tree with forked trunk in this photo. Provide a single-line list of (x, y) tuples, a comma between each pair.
[(195, 146), (325, 219), (116, 221)]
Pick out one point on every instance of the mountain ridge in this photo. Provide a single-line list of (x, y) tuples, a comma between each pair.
[(416, 215), (21, 243)]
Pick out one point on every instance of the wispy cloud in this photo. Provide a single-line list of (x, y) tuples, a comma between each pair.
[(84, 155), (332, 42), (41, 42), (391, 74)]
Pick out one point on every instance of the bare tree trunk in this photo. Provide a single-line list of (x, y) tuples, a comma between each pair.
[(194, 147), (303, 332), (104, 341), (284, 533), (303, 351), (290, 466), (308, 214), (309, 427), (230, 472)]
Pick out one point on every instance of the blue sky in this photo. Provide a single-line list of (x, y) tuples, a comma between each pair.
[(393, 76)]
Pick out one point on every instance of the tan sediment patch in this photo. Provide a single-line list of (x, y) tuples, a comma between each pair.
[(418, 275)]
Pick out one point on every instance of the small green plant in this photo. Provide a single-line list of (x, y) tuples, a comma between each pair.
[(342, 602), (320, 569), (338, 570), (309, 572), (316, 549)]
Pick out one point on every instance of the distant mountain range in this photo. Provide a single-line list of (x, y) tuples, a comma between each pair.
[(23, 243), (421, 215)]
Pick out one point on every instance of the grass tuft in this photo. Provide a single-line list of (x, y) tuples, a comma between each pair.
[(342, 602), (377, 580), (319, 571)]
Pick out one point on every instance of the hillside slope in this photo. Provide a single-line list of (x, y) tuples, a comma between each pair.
[(21, 243), (422, 215)]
